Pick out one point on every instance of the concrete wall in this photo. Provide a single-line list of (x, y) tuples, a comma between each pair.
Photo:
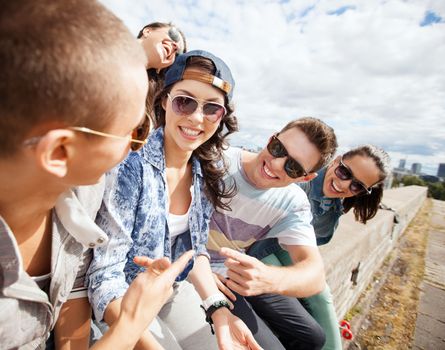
[(363, 248)]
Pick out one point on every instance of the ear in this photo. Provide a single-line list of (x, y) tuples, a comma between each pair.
[(52, 151), (309, 177), (164, 103), (145, 32)]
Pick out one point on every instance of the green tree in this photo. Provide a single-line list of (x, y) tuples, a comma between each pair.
[(437, 190), (409, 180)]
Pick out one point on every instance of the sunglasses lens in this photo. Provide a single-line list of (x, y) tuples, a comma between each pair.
[(343, 172), (140, 133), (184, 105), (276, 148), (213, 111), (356, 187), (294, 169)]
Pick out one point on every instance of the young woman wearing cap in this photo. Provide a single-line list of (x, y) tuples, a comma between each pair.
[(159, 201), (352, 181)]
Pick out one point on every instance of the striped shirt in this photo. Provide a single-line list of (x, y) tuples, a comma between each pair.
[(284, 213)]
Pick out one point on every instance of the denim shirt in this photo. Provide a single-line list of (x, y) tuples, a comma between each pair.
[(134, 214), (325, 211)]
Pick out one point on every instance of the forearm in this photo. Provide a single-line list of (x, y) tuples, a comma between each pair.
[(72, 330), (304, 278), (202, 279), (145, 341)]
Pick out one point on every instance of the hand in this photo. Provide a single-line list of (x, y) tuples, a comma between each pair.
[(231, 332), (221, 284), (247, 275), (150, 289)]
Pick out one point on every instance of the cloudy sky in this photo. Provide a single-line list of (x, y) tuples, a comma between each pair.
[(370, 69)]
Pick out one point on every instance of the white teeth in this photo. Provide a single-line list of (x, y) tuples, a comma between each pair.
[(335, 187), (190, 132), (268, 172)]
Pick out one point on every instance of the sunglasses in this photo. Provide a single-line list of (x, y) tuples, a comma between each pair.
[(344, 173), (293, 168), (186, 105), (138, 136)]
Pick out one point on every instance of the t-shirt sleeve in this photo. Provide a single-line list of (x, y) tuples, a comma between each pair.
[(295, 228)]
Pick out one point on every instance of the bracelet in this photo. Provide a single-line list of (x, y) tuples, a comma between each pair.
[(212, 308), (213, 299)]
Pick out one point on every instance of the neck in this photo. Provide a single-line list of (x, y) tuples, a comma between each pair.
[(174, 156), (25, 201)]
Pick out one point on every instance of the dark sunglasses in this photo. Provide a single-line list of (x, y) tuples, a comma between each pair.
[(186, 105), (293, 168), (344, 173)]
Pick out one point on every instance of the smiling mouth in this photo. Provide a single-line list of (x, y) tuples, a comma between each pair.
[(336, 189), (268, 172), (190, 132)]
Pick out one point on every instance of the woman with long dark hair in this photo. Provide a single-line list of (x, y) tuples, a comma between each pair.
[(159, 201)]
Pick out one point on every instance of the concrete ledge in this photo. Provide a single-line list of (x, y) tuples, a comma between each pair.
[(357, 251)]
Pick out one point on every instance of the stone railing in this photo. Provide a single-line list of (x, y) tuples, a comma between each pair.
[(357, 251)]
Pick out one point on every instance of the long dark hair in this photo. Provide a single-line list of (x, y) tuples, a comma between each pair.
[(366, 206), (210, 153)]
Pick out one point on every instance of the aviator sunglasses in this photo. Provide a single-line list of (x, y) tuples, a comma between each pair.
[(293, 168), (137, 139), (344, 173), (186, 105)]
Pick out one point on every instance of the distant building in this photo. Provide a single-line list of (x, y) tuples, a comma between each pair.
[(441, 170), (402, 163), (416, 168)]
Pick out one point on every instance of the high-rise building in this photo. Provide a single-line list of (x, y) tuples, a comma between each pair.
[(402, 163), (416, 168), (441, 170)]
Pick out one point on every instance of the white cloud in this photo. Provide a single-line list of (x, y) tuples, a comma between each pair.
[(373, 73)]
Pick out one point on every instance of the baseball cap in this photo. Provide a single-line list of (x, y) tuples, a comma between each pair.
[(222, 77)]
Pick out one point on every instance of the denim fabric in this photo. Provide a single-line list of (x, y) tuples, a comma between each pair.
[(134, 214), (325, 211)]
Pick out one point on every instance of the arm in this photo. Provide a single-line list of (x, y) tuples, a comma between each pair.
[(231, 332), (248, 276), (142, 302), (72, 330)]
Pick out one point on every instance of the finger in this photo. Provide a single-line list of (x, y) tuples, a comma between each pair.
[(178, 266), (244, 259), (251, 342), (238, 288), (143, 261), (235, 266), (159, 265), (227, 292)]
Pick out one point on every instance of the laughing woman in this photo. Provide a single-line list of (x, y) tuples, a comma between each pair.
[(159, 202)]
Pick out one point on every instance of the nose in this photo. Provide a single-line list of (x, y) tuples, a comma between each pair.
[(197, 116), (277, 164)]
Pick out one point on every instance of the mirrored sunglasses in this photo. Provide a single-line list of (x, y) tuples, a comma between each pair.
[(344, 173), (292, 167), (186, 105)]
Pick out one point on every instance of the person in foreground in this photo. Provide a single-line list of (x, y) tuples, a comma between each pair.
[(159, 201), (352, 181), (268, 204), (72, 102)]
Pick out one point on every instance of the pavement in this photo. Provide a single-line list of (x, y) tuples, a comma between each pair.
[(430, 324)]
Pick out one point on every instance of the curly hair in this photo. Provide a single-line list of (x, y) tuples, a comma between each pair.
[(366, 206), (210, 153)]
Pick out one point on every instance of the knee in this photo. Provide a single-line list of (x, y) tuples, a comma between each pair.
[(318, 337)]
